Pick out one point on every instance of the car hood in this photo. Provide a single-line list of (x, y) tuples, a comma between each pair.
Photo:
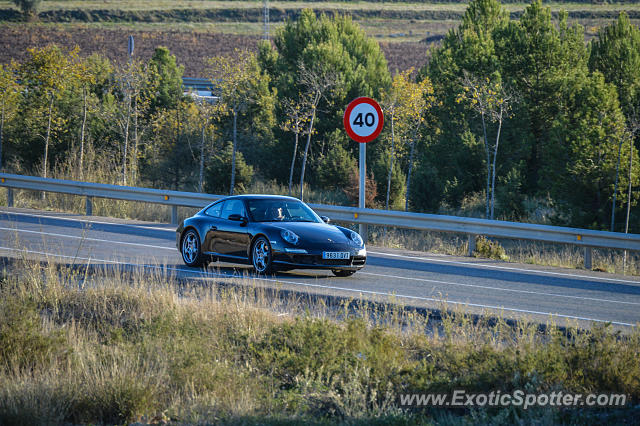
[(314, 232)]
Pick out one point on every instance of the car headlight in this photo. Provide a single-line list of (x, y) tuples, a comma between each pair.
[(289, 236), (357, 239)]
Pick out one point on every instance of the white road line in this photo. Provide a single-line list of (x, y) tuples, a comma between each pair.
[(85, 220), (536, 293), (75, 237), (377, 293), (507, 268)]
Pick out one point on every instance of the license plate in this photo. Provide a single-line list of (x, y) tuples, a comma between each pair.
[(335, 255)]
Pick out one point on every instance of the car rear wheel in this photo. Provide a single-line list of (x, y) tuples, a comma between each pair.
[(190, 250), (261, 256), (342, 272)]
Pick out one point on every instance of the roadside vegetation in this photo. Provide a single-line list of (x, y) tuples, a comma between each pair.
[(111, 345)]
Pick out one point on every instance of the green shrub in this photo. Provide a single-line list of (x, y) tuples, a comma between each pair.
[(24, 345), (29, 8), (489, 249), (218, 173)]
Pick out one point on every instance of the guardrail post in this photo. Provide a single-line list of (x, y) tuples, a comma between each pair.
[(9, 197), (174, 215), (472, 244), (587, 258), (88, 206)]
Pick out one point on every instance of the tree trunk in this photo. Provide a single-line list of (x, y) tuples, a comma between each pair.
[(233, 155), (493, 171), (615, 188), (486, 148), (393, 144), (293, 162), (134, 161), (406, 196), (201, 176), (46, 144), (626, 225), (306, 148), (1, 133), (82, 129), (126, 142)]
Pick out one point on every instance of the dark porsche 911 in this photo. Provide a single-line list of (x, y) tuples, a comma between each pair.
[(271, 233)]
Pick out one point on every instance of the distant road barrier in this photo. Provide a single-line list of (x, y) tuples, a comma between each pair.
[(429, 222)]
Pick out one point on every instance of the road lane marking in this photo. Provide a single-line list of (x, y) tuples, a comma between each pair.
[(507, 268), (537, 293), (377, 293), (86, 238), (86, 221)]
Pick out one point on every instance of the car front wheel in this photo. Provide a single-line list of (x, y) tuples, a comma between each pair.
[(190, 249), (261, 256)]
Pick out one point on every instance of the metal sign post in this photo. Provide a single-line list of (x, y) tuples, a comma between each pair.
[(362, 228), (363, 121)]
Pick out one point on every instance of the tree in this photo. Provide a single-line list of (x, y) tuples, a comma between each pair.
[(405, 105), (167, 75), (29, 8), (491, 102), (539, 57), (420, 101), (391, 100), (616, 54), (452, 160), (298, 114), (9, 93), (85, 78), (207, 110), (220, 167), (581, 161), (47, 73), (335, 44), (318, 83), (132, 83), (235, 77)]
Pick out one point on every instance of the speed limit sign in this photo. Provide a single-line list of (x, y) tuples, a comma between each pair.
[(363, 119)]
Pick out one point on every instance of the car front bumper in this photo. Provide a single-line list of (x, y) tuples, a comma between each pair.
[(312, 258)]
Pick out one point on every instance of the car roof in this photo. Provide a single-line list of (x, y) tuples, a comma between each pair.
[(258, 197)]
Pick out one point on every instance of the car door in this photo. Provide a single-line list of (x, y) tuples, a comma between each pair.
[(213, 221), (232, 236)]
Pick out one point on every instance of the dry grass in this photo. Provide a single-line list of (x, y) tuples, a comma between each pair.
[(118, 345)]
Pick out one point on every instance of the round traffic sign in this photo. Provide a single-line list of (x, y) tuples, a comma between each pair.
[(363, 119)]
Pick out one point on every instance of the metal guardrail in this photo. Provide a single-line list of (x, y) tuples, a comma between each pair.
[(470, 226)]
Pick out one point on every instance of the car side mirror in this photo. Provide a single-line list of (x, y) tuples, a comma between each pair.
[(325, 219), (238, 218)]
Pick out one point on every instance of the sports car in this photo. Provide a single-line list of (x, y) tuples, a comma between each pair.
[(271, 233)]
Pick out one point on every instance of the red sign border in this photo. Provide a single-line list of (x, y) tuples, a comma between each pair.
[(347, 125)]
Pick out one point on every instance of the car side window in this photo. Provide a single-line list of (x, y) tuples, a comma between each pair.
[(214, 210), (233, 207)]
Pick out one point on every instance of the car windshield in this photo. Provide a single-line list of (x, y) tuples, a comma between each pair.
[(281, 210)]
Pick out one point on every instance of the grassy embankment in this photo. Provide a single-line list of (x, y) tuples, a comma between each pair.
[(115, 346)]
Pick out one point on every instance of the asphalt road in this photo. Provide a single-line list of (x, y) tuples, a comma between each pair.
[(411, 278)]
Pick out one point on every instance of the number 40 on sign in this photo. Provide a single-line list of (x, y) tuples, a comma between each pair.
[(363, 119)]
